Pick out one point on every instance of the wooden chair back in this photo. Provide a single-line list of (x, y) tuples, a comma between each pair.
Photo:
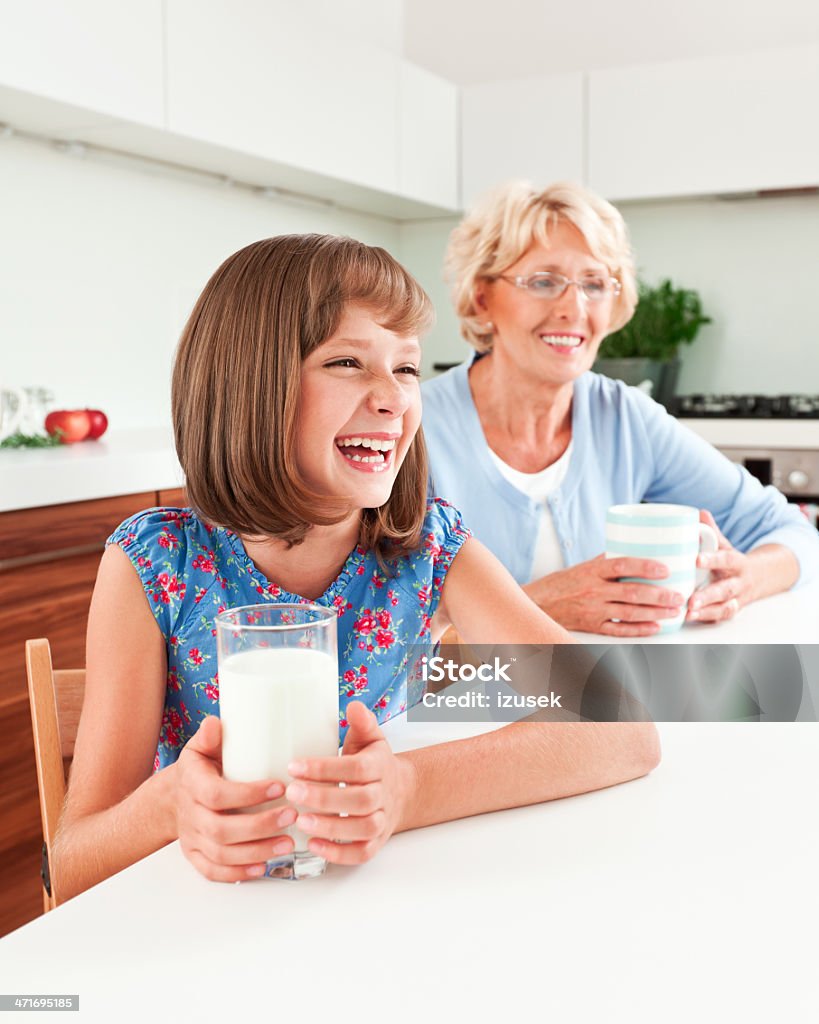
[(55, 700)]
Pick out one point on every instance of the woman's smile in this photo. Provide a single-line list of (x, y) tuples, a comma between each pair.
[(564, 343)]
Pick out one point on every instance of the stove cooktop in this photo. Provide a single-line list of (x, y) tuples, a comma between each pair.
[(785, 407)]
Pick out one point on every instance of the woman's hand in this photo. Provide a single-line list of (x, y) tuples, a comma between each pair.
[(224, 846), (732, 580), (589, 597), (378, 788)]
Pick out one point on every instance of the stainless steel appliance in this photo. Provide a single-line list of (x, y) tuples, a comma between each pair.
[(786, 407), (783, 454)]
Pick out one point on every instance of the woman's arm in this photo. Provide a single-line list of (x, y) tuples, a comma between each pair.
[(117, 811), (590, 596), (522, 763)]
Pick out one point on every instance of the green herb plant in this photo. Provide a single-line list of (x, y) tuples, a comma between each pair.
[(665, 318), (19, 440)]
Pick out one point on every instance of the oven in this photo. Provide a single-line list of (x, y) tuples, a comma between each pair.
[(776, 438)]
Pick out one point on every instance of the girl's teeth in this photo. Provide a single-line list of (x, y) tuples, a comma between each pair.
[(379, 461), (373, 443)]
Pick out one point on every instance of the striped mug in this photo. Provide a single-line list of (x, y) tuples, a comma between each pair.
[(671, 534)]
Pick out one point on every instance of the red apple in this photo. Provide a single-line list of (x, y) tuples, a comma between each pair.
[(99, 423), (71, 424)]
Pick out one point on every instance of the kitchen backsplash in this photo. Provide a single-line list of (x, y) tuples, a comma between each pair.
[(101, 264), (752, 260)]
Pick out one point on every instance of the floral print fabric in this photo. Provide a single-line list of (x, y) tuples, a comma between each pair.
[(190, 571)]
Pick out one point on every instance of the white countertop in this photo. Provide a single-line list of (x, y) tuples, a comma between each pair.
[(120, 462), (756, 433), (685, 896), (130, 461)]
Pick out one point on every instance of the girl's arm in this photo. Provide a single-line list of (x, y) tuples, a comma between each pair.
[(117, 810), (522, 763), (525, 762), (485, 604)]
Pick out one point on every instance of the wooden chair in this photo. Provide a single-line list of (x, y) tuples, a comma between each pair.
[(55, 699)]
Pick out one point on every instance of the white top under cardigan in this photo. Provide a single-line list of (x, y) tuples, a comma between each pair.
[(538, 486)]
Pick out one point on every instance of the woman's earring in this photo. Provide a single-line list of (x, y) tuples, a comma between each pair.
[(488, 327)]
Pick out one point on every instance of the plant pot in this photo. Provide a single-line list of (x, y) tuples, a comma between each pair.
[(659, 380)]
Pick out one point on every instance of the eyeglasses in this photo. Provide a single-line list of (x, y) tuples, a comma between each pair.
[(547, 285)]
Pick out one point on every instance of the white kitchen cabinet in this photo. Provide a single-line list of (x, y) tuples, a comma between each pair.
[(242, 77), (428, 140), (101, 57), (712, 125), (528, 128)]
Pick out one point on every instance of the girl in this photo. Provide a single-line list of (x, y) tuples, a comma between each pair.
[(296, 410)]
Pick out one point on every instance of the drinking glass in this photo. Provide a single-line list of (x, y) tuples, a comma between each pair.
[(278, 699)]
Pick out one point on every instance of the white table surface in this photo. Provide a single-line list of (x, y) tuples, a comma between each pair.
[(687, 895)]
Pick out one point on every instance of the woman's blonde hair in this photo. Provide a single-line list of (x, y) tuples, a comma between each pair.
[(508, 220), (237, 383)]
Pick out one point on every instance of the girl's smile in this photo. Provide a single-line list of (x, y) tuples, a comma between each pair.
[(368, 453)]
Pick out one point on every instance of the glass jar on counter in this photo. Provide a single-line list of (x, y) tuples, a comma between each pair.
[(23, 411)]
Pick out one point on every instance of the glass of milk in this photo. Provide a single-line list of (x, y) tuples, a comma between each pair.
[(278, 699)]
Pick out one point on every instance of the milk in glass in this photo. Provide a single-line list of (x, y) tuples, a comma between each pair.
[(277, 705)]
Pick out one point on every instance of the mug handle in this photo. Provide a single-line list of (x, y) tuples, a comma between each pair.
[(708, 544)]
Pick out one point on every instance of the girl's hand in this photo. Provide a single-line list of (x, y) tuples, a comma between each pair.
[(731, 584), (589, 597), (378, 787), (224, 846)]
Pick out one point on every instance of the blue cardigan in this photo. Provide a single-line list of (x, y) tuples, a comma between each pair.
[(626, 449)]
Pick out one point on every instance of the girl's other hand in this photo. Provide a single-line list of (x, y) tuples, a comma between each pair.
[(731, 584), (377, 791), (224, 846), (589, 597)]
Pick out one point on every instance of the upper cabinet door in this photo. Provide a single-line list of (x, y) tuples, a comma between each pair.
[(529, 128), (241, 76), (715, 125), (428, 142), (101, 56)]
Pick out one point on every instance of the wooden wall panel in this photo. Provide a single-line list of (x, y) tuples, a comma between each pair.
[(47, 599), (35, 531), (44, 591), (21, 891), (175, 498)]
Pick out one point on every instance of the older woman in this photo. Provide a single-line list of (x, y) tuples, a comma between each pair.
[(532, 447)]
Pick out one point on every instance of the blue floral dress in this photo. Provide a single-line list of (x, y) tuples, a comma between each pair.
[(190, 571)]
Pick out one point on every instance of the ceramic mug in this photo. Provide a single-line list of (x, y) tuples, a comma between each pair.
[(671, 534)]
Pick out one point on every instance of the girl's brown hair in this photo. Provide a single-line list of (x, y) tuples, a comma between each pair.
[(237, 382)]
